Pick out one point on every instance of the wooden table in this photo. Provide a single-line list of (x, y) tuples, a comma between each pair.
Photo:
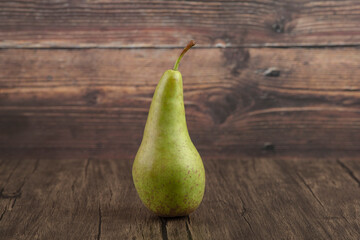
[(246, 198), (272, 104)]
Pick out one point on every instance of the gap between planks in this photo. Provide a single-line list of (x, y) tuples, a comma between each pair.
[(90, 46)]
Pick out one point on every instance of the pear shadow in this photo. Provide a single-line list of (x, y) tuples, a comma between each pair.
[(165, 220), (172, 218)]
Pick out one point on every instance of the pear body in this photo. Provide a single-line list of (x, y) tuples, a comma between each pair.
[(168, 172)]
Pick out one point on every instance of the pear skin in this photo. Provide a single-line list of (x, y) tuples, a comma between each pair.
[(168, 172)]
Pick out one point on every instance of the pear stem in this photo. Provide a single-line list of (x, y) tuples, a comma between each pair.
[(190, 44)]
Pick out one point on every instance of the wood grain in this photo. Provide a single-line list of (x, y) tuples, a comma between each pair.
[(97, 100), (247, 198), (128, 24), (273, 112)]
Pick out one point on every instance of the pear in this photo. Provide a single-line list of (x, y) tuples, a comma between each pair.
[(168, 172)]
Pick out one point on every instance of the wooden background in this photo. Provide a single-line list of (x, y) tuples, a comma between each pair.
[(272, 102)]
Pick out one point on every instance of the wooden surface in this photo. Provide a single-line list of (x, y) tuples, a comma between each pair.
[(99, 99), (246, 198), (128, 24), (272, 104)]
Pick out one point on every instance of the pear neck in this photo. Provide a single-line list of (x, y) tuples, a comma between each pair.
[(167, 110)]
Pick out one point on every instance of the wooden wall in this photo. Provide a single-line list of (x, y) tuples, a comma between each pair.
[(267, 77)]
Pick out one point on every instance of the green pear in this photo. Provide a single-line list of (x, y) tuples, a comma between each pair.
[(168, 172)]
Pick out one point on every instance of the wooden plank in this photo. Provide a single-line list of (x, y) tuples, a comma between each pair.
[(336, 189), (122, 214), (54, 200), (98, 100), (350, 165), (278, 204), (8, 198), (248, 198), (105, 23)]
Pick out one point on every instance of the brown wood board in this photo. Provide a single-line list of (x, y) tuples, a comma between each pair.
[(129, 24), (247, 198), (99, 99)]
